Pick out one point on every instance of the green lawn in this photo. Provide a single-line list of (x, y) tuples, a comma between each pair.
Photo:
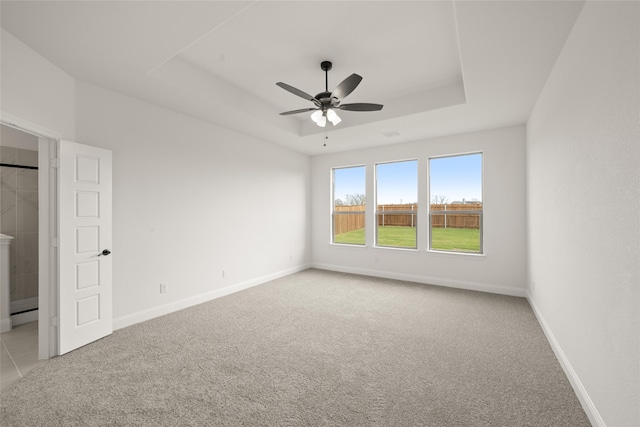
[(446, 239), (355, 237), (396, 236), (456, 239)]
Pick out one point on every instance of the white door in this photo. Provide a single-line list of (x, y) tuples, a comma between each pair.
[(84, 306)]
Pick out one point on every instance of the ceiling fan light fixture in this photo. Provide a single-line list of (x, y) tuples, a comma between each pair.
[(322, 121), (315, 116), (333, 117)]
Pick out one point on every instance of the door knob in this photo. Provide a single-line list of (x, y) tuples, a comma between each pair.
[(105, 252)]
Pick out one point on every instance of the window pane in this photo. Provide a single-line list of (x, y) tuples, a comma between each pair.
[(455, 211), (396, 196), (349, 205)]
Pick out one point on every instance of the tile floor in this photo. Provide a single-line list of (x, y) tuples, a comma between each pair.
[(18, 353)]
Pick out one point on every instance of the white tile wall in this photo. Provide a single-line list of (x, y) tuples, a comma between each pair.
[(19, 218)]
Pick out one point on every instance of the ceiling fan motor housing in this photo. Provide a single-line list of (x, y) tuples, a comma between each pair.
[(326, 100)]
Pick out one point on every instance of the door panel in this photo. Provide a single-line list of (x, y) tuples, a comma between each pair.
[(85, 312)]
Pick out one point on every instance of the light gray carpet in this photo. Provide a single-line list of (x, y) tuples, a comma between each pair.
[(314, 348)]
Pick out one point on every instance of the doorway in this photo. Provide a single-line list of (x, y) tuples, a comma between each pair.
[(19, 227), (19, 220), (44, 262), (74, 240)]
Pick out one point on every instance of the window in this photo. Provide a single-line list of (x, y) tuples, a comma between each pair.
[(455, 211), (396, 198), (349, 205)]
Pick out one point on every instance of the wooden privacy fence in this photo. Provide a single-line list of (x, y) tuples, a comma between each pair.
[(465, 220), (406, 215), (400, 215), (354, 220)]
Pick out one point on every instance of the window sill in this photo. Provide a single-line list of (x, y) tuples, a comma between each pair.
[(466, 255), (348, 246), (394, 249)]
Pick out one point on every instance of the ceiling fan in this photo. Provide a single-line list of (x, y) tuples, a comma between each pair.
[(326, 102)]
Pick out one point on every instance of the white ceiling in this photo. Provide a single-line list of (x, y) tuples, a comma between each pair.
[(439, 67)]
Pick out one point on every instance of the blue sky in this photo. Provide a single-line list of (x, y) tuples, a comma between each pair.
[(348, 181), (455, 177), (397, 182)]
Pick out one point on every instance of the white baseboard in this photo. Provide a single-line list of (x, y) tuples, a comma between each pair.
[(584, 398), (24, 304), (438, 281), (141, 316), (5, 325), (22, 318)]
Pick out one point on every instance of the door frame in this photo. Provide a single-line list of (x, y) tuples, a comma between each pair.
[(47, 231)]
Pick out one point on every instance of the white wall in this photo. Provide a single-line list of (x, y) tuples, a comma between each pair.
[(191, 200), (35, 90), (501, 269), (11, 137), (583, 162)]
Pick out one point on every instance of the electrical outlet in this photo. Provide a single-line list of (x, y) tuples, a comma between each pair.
[(224, 274), (533, 285), (164, 288)]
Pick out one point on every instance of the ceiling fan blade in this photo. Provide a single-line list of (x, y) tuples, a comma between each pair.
[(298, 92), (360, 107), (346, 86), (302, 110)]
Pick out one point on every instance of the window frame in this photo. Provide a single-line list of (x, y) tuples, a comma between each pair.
[(430, 212), (414, 213), (333, 207)]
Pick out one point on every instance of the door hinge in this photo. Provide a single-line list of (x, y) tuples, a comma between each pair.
[(55, 163), (54, 242), (53, 321)]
